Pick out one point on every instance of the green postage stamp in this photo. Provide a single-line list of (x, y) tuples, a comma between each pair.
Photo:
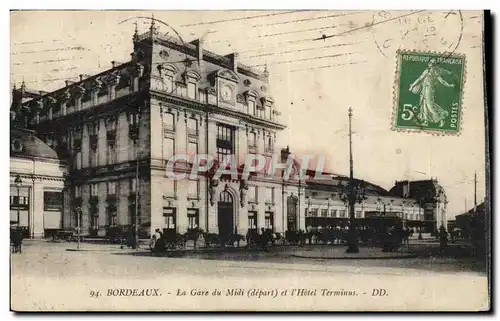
[(428, 92)]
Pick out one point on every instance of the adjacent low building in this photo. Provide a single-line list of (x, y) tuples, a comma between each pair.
[(38, 203)]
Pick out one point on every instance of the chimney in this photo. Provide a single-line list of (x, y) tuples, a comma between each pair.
[(113, 64), (199, 49), (69, 82), (234, 61)]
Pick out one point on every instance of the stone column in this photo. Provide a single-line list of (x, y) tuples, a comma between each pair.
[(102, 145), (261, 206), (31, 207), (212, 138), (85, 146), (241, 146), (182, 194), (102, 209), (38, 228), (181, 133), (278, 210), (157, 220)]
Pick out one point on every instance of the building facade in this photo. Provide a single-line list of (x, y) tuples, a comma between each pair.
[(119, 129)]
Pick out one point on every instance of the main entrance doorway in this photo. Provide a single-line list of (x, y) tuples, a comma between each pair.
[(225, 219)]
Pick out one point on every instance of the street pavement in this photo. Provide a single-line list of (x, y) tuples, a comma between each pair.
[(47, 275)]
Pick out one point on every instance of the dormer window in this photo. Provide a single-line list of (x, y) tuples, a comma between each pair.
[(251, 98), (252, 108), (191, 79), (192, 89)]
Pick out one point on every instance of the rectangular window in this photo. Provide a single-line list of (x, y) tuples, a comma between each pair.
[(93, 158), (192, 126), (324, 212), (94, 191), (193, 218), (169, 218), (342, 213), (112, 216), (94, 221), (168, 148), (169, 188), (358, 214), (78, 191), (202, 96), (132, 185), (269, 195), (252, 107), (252, 193), (183, 90), (111, 188), (192, 150), (268, 144), (333, 213), (192, 90), (268, 112), (192, 189), (168, 83), (111, 154), (252, 221), (78, 158), (169, 122), (225, 141), (313, 212), (252, 141), (52, 201), (269, 221)]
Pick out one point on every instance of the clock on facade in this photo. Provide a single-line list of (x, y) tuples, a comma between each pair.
[(226, 93)]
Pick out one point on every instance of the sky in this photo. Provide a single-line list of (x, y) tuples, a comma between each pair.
[(320, 63)]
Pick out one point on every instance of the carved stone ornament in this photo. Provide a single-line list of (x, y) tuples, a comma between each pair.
[(243, 192), (211, 190)]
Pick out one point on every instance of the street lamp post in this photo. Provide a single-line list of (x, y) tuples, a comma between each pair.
[(353, 244), (18, 181), (78, 227)]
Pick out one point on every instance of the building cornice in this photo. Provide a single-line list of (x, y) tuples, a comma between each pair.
[(208, 108)]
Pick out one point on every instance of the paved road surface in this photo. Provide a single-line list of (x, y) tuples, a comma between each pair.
[(47, 276)]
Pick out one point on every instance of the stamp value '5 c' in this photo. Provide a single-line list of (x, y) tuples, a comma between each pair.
[(428, 92)]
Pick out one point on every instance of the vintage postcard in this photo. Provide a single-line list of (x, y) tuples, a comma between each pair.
[(249, 161)]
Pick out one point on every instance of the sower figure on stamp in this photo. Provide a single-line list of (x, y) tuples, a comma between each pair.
[(425, 85)]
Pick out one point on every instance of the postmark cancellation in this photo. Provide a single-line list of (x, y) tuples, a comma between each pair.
[(428, 91)]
